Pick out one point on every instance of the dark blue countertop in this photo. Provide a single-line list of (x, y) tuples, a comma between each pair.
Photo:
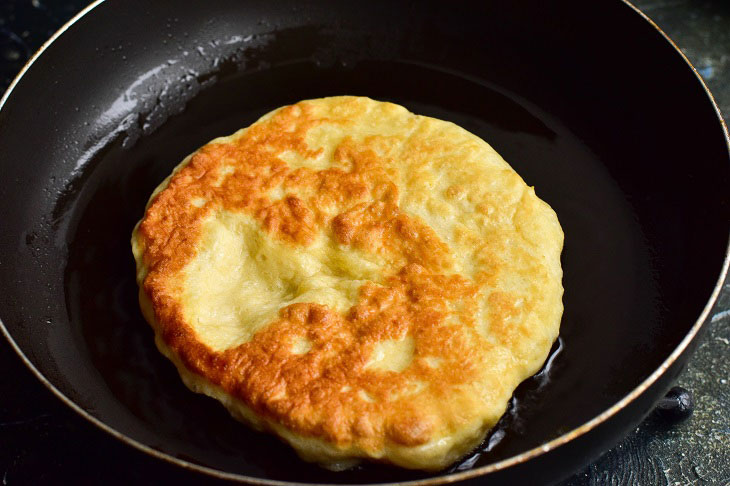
[(44, 442)]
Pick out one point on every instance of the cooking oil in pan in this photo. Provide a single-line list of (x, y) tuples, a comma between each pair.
[(605, 262)]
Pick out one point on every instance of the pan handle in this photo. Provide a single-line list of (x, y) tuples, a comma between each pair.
[(676, 406)]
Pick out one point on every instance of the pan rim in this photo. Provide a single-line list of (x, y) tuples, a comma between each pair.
[(444, 479)]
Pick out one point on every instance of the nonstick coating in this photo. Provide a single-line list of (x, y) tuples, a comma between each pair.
[(586, 100)]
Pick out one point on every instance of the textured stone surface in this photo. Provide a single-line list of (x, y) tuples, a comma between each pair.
[(43, 442)]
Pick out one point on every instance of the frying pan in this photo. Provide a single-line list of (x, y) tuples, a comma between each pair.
[(586, 100)]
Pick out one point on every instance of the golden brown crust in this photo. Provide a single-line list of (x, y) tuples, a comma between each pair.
[(330, 391)]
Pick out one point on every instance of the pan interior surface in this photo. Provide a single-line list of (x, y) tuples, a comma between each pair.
[(629, 156), (533, 141)]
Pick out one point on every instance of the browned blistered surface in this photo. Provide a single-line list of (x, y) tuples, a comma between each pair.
[(466, 288)]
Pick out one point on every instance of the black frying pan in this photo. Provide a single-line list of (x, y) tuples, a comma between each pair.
[(587, 101)]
